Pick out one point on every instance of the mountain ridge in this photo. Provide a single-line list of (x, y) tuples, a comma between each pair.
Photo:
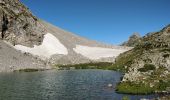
[(29, 35)]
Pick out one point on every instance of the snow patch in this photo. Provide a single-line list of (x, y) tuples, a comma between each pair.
[(50, 46), (95, 53)]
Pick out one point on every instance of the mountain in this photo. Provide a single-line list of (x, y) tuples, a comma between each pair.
[(147, 65), (133, 40), (29, 42)]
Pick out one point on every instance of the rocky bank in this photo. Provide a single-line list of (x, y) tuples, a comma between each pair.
[(148, 62)]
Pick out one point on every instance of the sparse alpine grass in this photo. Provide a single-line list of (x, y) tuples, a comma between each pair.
[(155, 83), (92, 65)]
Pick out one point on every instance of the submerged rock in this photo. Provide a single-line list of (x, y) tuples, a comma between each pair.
[(110, 85)]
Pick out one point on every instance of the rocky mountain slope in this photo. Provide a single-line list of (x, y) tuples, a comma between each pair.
[(11, 59), (18, 25), (133, 40), (148, 63), (43, 42)]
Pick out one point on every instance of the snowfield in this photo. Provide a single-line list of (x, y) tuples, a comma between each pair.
[(95, 53), (50, 46)]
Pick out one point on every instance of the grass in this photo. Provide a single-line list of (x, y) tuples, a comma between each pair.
[(159, 83), (163, 81), (28, 70), (134, 88), (94, 65)]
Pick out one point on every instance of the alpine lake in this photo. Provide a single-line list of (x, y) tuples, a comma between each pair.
[(86, 84)]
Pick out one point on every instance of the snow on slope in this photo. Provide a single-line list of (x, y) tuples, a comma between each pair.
[(50, 46), (95, 53)]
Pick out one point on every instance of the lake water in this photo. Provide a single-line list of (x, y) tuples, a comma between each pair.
[(61, 85)]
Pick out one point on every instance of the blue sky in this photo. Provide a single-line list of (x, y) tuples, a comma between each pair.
[(108, 21)]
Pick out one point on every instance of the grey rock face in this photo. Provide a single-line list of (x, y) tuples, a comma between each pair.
[(18, 25)]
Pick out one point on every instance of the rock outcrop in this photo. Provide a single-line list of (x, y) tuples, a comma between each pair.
[(18, 25), (133, 40), (149, 61)]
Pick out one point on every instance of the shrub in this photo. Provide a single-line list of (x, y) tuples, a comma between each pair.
[(147, 67), (166, 55), (27, 70), (162, 85)]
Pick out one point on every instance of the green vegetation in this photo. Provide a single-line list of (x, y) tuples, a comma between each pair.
[(93, 65), (124, 61), (142, 88), (162, 85), (134, 88), (147, 67), (163, 81), (116, 68), (156, 82), (28, 70)]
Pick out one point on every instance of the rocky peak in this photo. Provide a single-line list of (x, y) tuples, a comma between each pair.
[(166, 29), (18, 25), (133, 40), (135, 35)]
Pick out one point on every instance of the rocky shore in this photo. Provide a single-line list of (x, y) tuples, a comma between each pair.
[(147, 65)]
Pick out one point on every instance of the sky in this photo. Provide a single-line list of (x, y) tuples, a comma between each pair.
[(107, 21)]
